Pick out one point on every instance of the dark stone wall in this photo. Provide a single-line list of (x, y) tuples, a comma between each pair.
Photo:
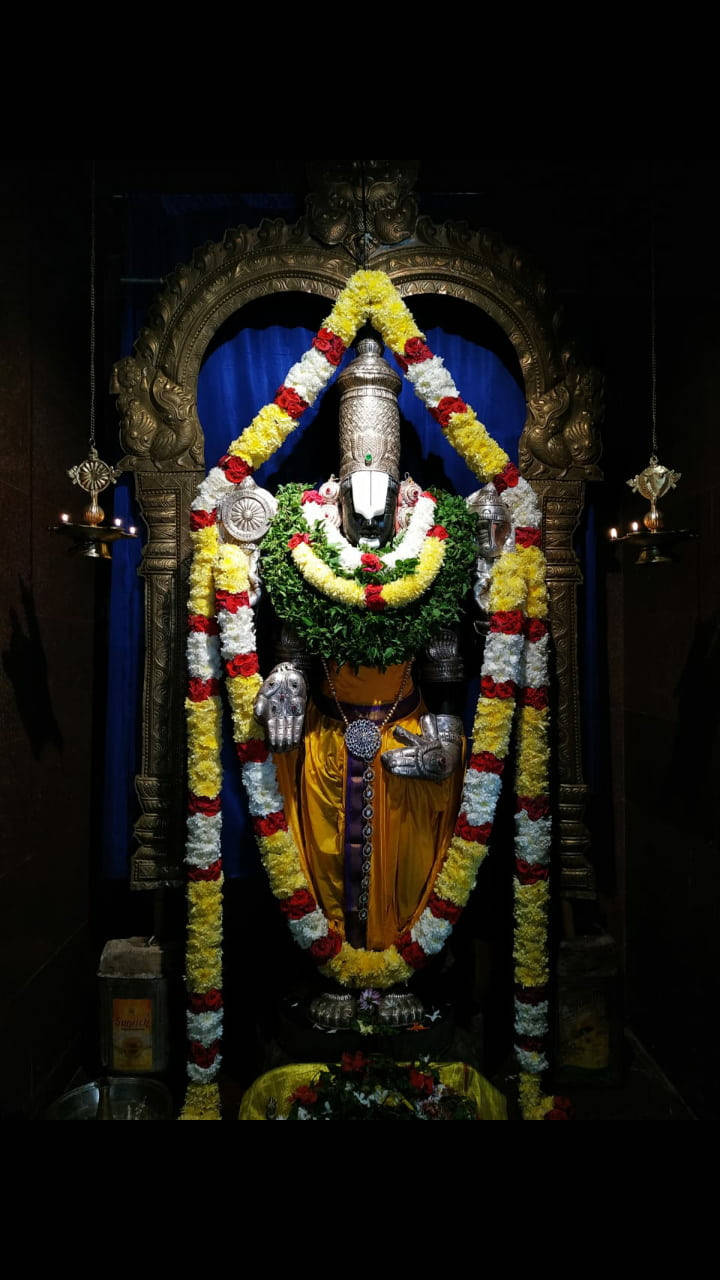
[(47, 641)]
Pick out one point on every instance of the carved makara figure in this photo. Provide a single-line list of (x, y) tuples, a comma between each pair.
[(369, 754)]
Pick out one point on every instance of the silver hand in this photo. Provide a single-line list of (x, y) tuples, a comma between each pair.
[(280, 707), (433, 754)]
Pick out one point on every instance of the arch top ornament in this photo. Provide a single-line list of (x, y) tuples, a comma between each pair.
[(156, 385)]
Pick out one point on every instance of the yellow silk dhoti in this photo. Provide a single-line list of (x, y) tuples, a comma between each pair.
[(413, 818)]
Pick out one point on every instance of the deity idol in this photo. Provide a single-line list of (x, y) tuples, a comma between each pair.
[(367, 741)]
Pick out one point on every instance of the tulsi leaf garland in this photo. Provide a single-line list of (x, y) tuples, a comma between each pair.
[(359, 635), (515, 668)]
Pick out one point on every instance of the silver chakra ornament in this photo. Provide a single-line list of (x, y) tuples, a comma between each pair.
[(246, 512)]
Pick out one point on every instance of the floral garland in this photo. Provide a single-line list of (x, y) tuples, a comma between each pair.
[(372, 631), (514, 672)]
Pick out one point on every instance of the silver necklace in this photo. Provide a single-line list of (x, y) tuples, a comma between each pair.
[(362, 737)]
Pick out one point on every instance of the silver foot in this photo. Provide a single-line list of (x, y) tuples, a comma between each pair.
[(330, 1010), (400, 1009)]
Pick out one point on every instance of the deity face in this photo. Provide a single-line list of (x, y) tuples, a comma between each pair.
[(368, 500)]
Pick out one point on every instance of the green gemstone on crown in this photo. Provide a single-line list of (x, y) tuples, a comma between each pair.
[(368, 459)]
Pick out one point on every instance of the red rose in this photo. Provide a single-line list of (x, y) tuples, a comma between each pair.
[(444, 910), (423, 1083), (202, 519), (243, 664), (204, 805), (531, 1044), (213, 872), (535, 806), (332, 347), (527, 536), (198, 622), (312, 495), (210, 1001), (231, 601), (537, 698), (556, 1114), (530, 872), (203, 1055), (296, 539), (411, 952), (403, 363), (426, 494), (304, 1095), (416, 351), (373, 598), (288, 399), (254, 750), (486, 762), (507, 478), (269, 825), (507, 622), (370, 563), (447, 406), (353, 1062), (535, 629), (438, 531), (497, 689), (531, 995), (235, 469), (300, 904), (565, 1105), (323, 949), (200, 690), (478, 835)]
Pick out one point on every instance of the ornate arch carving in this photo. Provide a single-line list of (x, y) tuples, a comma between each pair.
[(162, 436)]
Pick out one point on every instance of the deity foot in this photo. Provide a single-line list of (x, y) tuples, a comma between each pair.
[(400, 1009), (331, 1010)]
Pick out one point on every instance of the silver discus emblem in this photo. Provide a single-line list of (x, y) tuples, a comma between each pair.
[(362, 739), (247, 511)]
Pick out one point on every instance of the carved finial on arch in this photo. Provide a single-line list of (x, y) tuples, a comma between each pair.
[(561, 430), (159, 424)]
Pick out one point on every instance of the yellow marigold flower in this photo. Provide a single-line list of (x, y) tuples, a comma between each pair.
[(231, 568), (531, 924), (321, 576), (534, 567), (459, 870), (347, 315), (492, 727), (404, 590), (202, 1102), (282, 863), (203, 963), (242, 692), (533, 753), (267, 431), (470, 439), (205, 540), (355, 968), (204, 768), (533, 1102), (508, 588)]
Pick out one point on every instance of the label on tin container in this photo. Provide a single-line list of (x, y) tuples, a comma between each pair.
[(132, 1035)]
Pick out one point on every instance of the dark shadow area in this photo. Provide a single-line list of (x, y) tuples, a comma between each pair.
[(25, 666)]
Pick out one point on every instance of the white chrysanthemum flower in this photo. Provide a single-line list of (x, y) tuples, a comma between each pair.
[(431, 381), (531, 1019), (310, 927), (480, 796), (533, 838), (310, 375), (203, 659), (501, 659), (203, 840), (523, 505), (531, 1061), (213, 488), (204, 1075), (237, 631), (260, 780), (430, 933), (205, 1027), (536, 663)]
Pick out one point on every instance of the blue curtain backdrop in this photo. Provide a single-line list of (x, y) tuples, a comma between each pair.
[(243, 367)]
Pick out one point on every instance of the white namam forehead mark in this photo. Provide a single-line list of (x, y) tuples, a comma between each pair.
[(369, 493)]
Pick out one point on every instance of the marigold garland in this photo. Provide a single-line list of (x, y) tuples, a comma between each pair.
[(515, 665)]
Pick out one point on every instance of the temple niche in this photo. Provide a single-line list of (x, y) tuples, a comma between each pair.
[(361, 816)]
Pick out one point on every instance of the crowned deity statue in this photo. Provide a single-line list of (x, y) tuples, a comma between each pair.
[(369, 754)]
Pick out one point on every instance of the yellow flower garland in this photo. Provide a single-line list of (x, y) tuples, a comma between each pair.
[(347, 591)]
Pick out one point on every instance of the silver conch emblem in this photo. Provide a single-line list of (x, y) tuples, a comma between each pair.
[(247, 511)]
